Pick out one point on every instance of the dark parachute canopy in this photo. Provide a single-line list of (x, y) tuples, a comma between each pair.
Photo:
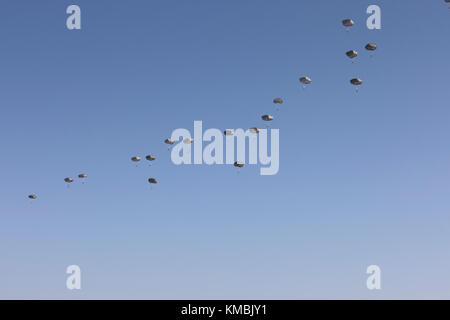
[(305, 80), (169, 141), (356, 81), (348, 22), (239, 164), (228, 132), (82, 176), (267, 117), (68, 180), (351, 54), (32, 196), (254, 130), (278, 100), (150, 157), (136, 159), (152, 180), (371, 46)]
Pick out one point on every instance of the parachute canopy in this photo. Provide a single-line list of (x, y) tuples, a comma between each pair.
[(267, 117), (32, 196), (348, 22), (68, 180), (305, 80), (356, 81), (82, 176), (351, 54), (371, 46), (136, 159), (228, 132), (254, 130), (239, 164), (150, 157), (188, 140), (169, 141), (278, 100), (152, 180)]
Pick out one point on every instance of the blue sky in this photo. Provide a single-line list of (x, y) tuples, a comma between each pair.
[(364, 177)]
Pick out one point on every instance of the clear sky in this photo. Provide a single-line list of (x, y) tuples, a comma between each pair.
[(364, 177)]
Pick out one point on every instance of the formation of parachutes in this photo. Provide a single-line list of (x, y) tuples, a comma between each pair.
[(304, 80), (353, 53)]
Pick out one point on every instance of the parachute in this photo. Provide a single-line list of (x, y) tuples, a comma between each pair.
[(136, 159), (305, 81), (228, 132), (356, 82), (188, 140), (152, 180), (68, 181), (169, 141), (371, 46), (32, 197), (267, 117), (347, 23), (352, 54), (254, 130), (150, 157), (82, 176), (239, 164), (278, 100)]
